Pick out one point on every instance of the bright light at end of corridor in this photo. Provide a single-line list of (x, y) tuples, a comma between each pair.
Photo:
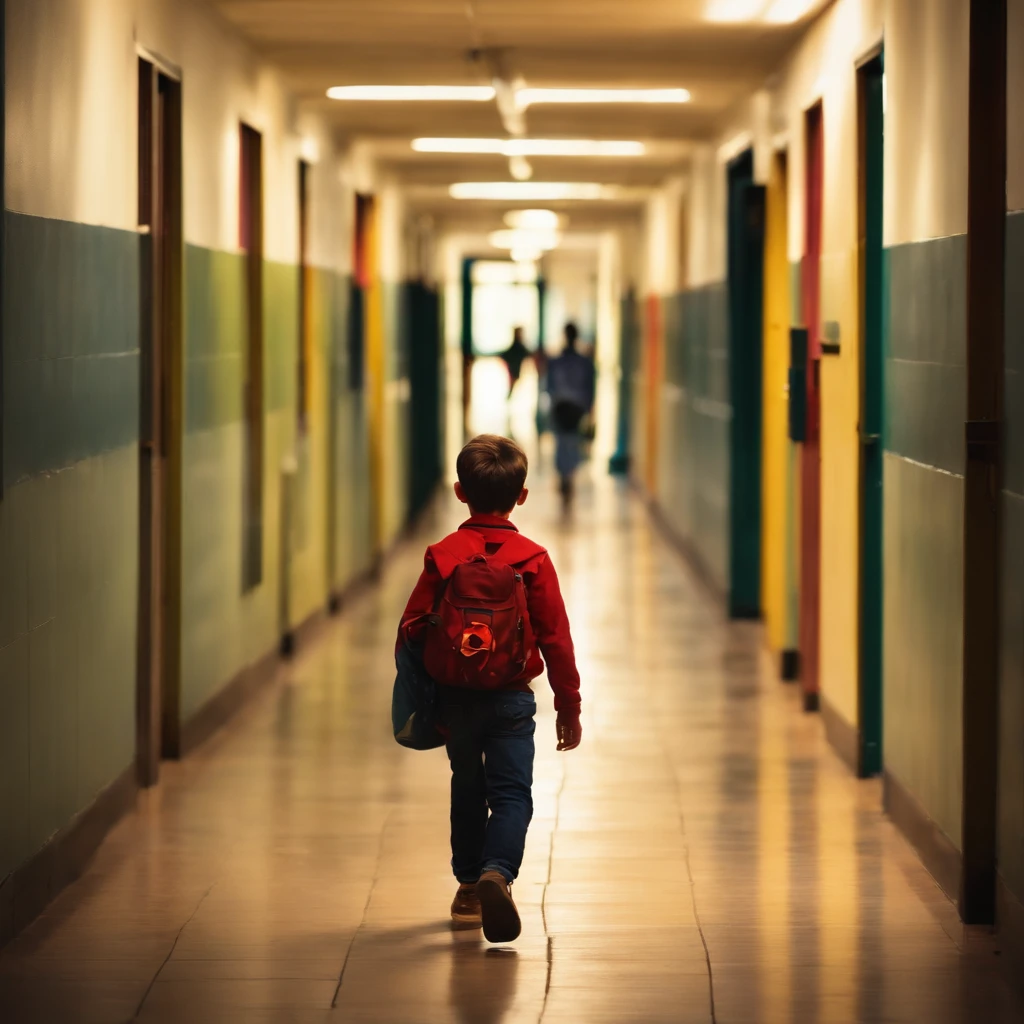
[(412, 93), (534, 220), (508, 239), (532, 147), (530, 191)]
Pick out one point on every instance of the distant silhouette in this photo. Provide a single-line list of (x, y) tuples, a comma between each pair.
[(515, 355), (570, 383)]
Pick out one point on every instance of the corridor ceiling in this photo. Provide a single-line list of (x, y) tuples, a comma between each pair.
[(548, 43)]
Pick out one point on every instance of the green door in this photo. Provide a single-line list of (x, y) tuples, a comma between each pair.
[(746, 324)]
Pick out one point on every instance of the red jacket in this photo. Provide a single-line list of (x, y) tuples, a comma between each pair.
[(543, 598)]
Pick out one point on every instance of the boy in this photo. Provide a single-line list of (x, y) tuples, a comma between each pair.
[(489, 732)]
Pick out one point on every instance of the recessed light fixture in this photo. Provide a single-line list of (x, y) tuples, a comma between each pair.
[(413, 93), (532, 147), (530, 191), (534, 220), (523, 97), (528, 97)]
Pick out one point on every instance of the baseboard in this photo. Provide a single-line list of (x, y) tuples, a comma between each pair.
[(789, 669), (844, 737), (933, 846), (25, 893), (1010, 921)]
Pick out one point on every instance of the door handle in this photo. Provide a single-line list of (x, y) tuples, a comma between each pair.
[(867, 439)]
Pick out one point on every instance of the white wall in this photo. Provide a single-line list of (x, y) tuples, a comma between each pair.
[(926, 120), (72, 137)]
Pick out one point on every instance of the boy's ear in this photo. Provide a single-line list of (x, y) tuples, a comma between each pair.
[(523, 495), (460, 494)]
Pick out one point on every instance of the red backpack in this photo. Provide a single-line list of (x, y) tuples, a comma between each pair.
[(478, 634)]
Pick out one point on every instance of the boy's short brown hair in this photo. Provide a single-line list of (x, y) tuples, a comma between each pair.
[(492, 471)]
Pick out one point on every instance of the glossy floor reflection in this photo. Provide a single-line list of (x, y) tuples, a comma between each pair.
[(295, 870)]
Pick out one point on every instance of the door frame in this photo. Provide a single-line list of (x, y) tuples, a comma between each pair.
[(161, 255), (810, 490), (872, 302)]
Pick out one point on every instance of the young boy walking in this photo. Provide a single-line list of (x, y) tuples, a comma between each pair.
[(486, 614)]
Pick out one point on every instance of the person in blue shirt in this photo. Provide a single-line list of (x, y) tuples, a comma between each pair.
[(570, 383)]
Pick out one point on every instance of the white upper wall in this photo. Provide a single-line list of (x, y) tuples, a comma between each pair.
[(926, 59), (72, 123)]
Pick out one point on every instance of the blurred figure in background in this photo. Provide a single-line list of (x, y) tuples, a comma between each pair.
[(570, 383), (515, 355)]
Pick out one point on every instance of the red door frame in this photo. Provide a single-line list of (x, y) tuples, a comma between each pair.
[(810, 470)]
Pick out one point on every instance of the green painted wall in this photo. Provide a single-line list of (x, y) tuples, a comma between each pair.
[(224, 627), (696, 417), (923, 522), (1011, 696), (68, 523)]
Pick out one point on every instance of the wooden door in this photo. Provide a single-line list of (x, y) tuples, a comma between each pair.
[(157, 700), (872, 290)]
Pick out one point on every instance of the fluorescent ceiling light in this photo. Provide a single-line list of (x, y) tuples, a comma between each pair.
[(535, 191), (773, 12), (528, 97), (531, 147), (735, 10), (533, 220), (509, 239), (406, 93), (785, 12)]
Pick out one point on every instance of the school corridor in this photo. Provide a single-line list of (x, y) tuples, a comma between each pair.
[(267, 265), (703, 856)]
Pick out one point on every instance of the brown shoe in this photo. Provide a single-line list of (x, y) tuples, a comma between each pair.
[(466, 907), (500, 917)]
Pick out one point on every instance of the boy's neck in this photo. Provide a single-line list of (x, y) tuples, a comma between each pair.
[(496, 515)]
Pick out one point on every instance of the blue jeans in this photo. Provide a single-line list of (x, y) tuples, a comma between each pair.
[(490, 748)]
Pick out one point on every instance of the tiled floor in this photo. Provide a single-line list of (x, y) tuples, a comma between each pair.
[(703, 856)]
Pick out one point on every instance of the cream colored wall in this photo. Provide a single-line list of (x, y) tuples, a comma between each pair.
[(926, 120), (705, 219), (68, 155), (71, 141)]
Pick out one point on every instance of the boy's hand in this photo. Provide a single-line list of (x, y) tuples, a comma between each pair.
[(570, 732)]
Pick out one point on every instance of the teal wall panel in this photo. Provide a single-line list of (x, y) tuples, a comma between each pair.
[(695, 421), (925, 380), (1011, 695), (68, 539), (71, 356), (68, 562), (926, 352), (708, 421), (281, 334), (214, 337)]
